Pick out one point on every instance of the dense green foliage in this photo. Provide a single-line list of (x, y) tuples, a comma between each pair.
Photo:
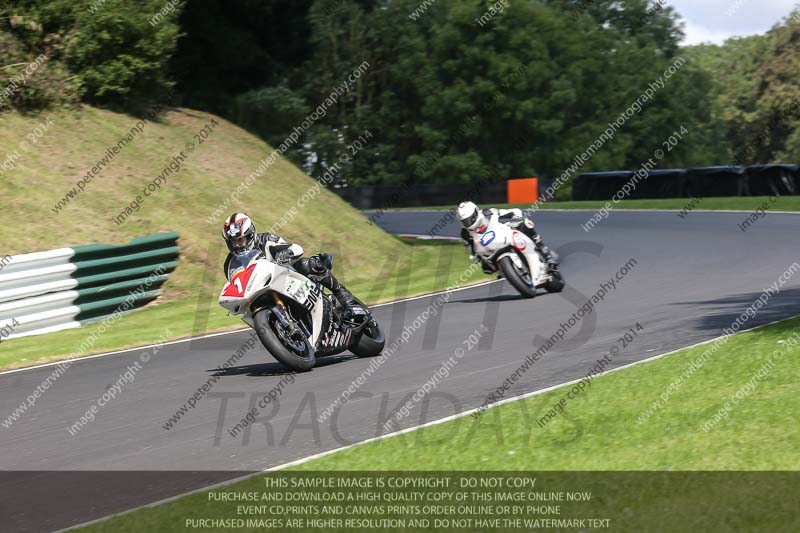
[(454, 94), (449, 91), (116, 51), (756, 93)]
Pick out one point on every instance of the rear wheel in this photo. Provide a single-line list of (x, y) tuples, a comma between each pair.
[(290, 348), (519, 280), (371, 341)]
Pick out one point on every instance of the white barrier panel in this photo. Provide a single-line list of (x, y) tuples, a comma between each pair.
[(47, 302), (64, 288), (35, 290), (36, 321), (34, 260)]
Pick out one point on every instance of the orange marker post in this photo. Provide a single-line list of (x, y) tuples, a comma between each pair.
[(523, 191)]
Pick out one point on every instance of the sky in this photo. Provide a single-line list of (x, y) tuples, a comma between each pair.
[(716, 20)]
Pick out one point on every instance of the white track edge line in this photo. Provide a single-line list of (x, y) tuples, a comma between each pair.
[(190, 339), (408, 430)]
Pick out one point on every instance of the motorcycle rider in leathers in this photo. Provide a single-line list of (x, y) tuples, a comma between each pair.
[(239, 233), (475, 220)]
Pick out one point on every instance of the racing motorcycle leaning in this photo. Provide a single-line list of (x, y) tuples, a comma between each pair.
[(516, 257), (294, 319)]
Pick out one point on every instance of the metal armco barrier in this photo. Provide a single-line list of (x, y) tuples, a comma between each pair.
[(66, 288)]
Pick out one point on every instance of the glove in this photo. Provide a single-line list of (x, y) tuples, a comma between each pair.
[(316, 266), (474, 258)]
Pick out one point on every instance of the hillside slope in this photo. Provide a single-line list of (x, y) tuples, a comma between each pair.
[(75, 142), (39, 168)]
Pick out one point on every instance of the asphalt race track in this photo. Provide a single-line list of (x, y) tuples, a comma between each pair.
[(691, 278)]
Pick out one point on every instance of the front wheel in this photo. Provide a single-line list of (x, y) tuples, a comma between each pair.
[(289, 348), (556, 284), (370, 342), (515, 278)]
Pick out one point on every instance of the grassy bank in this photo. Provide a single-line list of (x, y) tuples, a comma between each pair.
[(598, 431), (193, 201)]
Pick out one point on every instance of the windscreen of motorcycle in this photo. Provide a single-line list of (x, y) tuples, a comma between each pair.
[(240, 262)]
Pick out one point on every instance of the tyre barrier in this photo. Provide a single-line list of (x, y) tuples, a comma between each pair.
[(65, 288), (704, 182)]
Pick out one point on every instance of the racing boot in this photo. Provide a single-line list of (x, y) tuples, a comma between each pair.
[(345, 297), (550, 256)]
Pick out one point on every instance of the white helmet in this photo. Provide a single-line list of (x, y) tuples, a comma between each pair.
[(471, 216)]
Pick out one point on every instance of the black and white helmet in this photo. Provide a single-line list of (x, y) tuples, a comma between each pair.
[(239, 232)]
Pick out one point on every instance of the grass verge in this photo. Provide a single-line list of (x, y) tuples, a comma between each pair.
[(757, 372)]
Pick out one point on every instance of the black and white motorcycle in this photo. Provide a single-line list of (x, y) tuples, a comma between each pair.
[(296, 321), (517, 258)]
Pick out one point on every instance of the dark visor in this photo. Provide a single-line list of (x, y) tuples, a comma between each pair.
[(467, 222)]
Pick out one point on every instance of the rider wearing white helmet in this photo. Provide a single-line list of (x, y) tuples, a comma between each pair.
[(475, 220)]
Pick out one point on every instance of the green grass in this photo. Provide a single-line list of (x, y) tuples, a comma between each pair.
[(79, 138), (599, 432), (734, 203)]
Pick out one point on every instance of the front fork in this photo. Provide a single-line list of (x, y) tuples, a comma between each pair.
[(281, 312)]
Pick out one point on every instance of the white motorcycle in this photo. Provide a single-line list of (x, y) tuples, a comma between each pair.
[(515, 257), (295, 320)]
